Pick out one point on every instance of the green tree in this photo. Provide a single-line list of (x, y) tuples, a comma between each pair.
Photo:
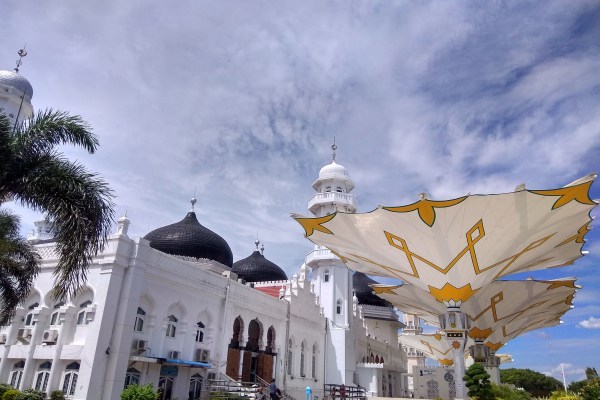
[(591, 373), (535, 383), (135, 392), (31, 394), (505, 392), (35, 174), (4, 387), (57, 395), (10, 394), (477, 381), (591, 391)]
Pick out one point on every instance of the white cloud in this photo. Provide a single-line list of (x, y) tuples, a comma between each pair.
[(590, 323)]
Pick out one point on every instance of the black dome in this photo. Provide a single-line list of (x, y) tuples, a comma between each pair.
[(188, 238), (364, 293), (256, 268)]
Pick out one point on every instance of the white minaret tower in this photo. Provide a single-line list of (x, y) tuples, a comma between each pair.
[(331, 279), (16, 93), (414, 356)]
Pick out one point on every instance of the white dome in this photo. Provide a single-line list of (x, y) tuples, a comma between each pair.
[(333, 170), (16, 81)]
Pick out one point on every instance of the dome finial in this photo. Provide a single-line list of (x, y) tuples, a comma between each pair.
[(22, 53), (334, 148), (193, 200), (257, 242), (262, 249)]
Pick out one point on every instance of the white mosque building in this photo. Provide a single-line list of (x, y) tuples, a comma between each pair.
[(173, 310)]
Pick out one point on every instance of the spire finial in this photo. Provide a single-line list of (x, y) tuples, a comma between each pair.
[(22, 53), (334, 148), (262, 249), (257, 242), (193, 201)]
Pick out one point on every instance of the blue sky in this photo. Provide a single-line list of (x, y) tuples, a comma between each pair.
[(240, 101)]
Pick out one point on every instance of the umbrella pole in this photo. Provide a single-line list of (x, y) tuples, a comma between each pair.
[(455, 325)]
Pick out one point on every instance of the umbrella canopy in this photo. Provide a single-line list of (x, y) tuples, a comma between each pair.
[(498, 312), (453, 248)]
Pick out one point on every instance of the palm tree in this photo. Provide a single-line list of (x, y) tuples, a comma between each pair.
[(34, 174)]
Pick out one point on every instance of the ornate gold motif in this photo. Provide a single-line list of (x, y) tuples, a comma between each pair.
[(477, 333), (311, 225), (445, 361), (494, 346), (385, 289), (579, 237), (449, 292), (426, 208), (456, 345), (578, 193)]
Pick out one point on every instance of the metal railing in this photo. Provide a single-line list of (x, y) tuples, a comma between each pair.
[(341, 392)]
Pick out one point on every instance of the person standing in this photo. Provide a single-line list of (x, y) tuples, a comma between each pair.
[(273, 390)]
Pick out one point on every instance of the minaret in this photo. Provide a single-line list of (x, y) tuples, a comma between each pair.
[(414, 356), (16, 93), (331, 279)]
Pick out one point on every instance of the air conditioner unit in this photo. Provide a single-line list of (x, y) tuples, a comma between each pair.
[(24, 333), (173, 354), (140, 345), (205, 356), (2, 338), (50, 336)]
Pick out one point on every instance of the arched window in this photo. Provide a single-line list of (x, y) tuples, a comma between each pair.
[(339, 189), (313, 369), (270, 340), (16, 374), (132, 377), (139, 320), (195, 386), (200, 333), (171, 326), (82, 318), (41, 380), (30, 319), (70, 379), (338, 307), (254, 335), (328, 188), (55, 319), (326, 276), (289, 358), (302, 359)]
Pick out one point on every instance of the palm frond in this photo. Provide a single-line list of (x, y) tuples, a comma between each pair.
[(50, 128), (19, 265), (80, 205)]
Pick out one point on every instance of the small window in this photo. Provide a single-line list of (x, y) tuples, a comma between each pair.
[(42, 377), (302, 360), (339, 189), (82, 317), (200, 332), (171, 326), (328, 188), (314, 362), (132, 377), (289, 360), (326, 276), (338, 307), (139, 320)]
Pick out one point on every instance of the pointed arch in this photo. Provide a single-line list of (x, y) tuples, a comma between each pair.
[(255, 333), (237, 336), (271, 336)]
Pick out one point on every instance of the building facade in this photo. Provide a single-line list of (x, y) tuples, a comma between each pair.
[(172, 309)]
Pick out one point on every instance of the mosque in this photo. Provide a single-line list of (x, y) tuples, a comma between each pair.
[(172, 309)]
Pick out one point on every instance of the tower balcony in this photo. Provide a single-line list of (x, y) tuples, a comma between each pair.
[(314, 257), (345, 202)]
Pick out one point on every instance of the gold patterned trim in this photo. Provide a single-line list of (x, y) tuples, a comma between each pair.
[(426, 208), (311, 225), (578, 193)]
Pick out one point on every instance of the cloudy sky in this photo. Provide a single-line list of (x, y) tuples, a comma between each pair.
[(240, 101)]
